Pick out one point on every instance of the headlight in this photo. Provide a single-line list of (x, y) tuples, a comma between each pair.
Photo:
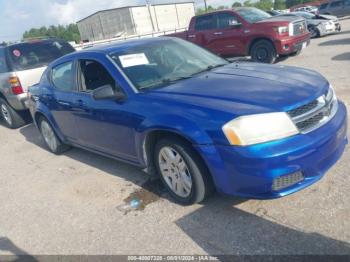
[(255, 129), (282, 29)]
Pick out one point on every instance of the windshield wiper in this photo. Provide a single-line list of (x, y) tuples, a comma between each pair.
[(164, 82), (209, 68)]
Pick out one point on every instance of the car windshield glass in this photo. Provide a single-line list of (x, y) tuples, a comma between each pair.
[(36, 54), (253, 15), (305, 15), (163, 62)]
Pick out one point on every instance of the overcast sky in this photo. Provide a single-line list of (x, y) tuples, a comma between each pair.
[(16, 16)]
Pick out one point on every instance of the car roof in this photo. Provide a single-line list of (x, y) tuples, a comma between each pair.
[(113, 47), (34, 41), (121, 45)]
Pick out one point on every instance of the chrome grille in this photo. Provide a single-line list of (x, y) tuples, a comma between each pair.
[(287, 181), (315, 114), (299, 27)]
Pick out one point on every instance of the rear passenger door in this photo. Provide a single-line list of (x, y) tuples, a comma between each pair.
[(346, 10), (203, 34), (336, 8), (61, 101)]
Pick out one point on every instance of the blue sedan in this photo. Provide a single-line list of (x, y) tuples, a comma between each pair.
[(200, 122)]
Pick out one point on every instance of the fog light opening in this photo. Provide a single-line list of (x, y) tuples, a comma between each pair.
[(285, 181)]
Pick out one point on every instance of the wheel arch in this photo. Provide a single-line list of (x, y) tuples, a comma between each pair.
[(257, 39), (149, 145), (41, 113)]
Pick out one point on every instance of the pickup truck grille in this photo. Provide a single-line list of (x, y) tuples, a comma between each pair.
[(299, 27), (315, 114)]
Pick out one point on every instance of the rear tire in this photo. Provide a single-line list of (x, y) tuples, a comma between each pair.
[(52, 141), (263, 51), (11, 117), (182, 171)]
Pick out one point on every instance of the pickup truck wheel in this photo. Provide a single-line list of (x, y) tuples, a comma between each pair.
[(11, 117), (263, 51), (51, 139), (182, 171)]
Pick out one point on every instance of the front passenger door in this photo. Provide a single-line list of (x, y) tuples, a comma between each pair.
[(228, 35)]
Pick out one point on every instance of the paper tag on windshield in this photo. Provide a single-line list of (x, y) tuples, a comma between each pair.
[(133, 60)]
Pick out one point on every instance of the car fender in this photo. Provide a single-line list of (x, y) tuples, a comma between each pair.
[(175, 124)]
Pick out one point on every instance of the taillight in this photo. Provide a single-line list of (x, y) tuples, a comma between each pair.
[(16, 86)]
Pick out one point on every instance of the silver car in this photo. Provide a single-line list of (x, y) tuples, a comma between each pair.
[(21, 66), (319, 25), (336, 7)]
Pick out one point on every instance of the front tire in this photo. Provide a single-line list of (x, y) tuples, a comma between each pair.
[(51, 139), (12, 118), (182, 172), (263, 51), (314, 32)]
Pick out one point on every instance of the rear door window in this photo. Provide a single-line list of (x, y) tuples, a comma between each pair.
[(63, 77), (206, 22), (3, 63), (31, 55)]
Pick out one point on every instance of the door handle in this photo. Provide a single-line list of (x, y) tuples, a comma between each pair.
[(80, 103), (191, 36), (218, 33), (63, 103)]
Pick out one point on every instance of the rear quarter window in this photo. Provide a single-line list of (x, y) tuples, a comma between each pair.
[(3, 63), (26, 56)]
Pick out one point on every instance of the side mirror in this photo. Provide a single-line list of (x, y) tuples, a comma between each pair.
[(107, 92)]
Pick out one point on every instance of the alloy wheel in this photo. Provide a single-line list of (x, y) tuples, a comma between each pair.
[(6, 114), (49, 135), (175, 171)]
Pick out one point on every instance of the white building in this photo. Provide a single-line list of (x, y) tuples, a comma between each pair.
[(135, 20)]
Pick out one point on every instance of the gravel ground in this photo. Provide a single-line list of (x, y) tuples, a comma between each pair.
[(68, 204)]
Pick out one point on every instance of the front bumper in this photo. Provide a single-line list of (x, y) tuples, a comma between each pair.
[(292, 44), (250, 171)]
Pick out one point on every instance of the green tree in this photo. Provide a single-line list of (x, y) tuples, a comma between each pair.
[(236, 4), (264, 4), (279, 4), (68, 33), (248, 3)]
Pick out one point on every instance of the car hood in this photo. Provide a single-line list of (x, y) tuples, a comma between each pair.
[(329, 17), (281, 18), (316, 21), (255, 86)]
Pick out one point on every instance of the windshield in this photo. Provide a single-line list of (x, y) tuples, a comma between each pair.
[(253, 15), (305, 15), (160, 63), (36, 54)]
